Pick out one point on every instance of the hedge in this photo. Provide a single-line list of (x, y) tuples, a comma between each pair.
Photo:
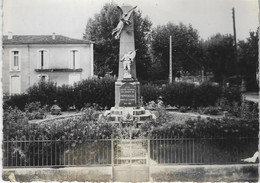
[(178, 94), (18, 101), (232, 94), (245, 125), (102, 93), (65, 97), (189, 95), (89, 91), (206, 94), (95, 91), (44, 92), (150, 92)]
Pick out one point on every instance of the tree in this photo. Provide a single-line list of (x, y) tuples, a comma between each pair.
[(106, 51), (219, 52), (106, 48), (248, 59), (142, 27), (186, 50)]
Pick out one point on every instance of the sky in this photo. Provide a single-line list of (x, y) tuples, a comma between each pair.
[(69, 17)]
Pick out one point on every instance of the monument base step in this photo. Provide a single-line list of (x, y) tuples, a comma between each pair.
[(120, 114)]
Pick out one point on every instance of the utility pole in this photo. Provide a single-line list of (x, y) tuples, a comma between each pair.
[(170, 62), (235, 38)]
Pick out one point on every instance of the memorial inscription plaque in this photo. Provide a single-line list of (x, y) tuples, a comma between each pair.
[(127, 95)]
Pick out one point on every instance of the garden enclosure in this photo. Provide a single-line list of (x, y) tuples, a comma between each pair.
[(163, 150)]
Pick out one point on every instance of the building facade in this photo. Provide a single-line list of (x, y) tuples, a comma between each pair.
[(30, 59)]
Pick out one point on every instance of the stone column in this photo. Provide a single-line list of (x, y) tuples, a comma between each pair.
[(127, 43)]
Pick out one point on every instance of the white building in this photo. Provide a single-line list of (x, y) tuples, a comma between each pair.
[(28, 59)]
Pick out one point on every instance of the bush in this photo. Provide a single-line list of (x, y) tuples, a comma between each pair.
[(246, 110), (65, 97), (183, 109), (71, 132), (206, 94), (14, 121), (149, 93), (178, 94), (244, 124), (34, 111), (102, 93), (18, 101), (210, 110), (232, 94), (34, 106), (90, 113), (44, 92), (98, 91), (85, 126), (162, 117), (206, 128)]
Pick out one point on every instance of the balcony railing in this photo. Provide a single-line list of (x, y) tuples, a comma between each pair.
[(59, 70)]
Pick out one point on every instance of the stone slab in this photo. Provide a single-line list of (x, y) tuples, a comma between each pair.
[(127, 94)]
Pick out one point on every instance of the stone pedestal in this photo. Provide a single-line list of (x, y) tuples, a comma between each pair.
[(127, 102), (127, 94)]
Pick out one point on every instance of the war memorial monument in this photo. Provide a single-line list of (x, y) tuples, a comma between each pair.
[(127, 86)]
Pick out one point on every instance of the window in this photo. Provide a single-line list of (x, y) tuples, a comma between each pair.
[(43, 59), (15, 60), (15, 85), (43, 77), (74, 59)]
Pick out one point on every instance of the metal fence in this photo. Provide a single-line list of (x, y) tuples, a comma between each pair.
[(202, 151), (55, 153)]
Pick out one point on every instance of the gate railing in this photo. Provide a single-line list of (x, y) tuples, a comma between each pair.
[(53, 153)]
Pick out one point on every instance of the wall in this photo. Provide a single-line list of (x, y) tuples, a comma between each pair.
[(58, 56), (81, 174), (158, 173), (205, 173), (24, 64)]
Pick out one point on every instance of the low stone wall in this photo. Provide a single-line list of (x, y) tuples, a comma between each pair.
[(80, 174), (157, 173), (203, 173)]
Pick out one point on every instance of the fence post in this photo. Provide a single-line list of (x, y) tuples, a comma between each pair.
[(112, 152), (112, 157), (193, 151), (148, 152)]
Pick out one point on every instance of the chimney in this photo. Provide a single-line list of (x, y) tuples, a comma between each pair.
[(10, 35), (53, 35)]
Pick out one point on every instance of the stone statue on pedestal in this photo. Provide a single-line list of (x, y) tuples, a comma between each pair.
[(127, 60), (127, 86)]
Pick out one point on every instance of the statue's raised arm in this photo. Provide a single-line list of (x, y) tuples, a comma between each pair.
[(123, 20)]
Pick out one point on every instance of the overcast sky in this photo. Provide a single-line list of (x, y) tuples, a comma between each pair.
[(69, 17)]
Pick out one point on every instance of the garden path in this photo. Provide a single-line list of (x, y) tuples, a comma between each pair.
[(252, 96), (50, 118), (133, 152), (196, 115)]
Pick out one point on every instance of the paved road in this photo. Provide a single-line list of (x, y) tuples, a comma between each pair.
[(252, 96)]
